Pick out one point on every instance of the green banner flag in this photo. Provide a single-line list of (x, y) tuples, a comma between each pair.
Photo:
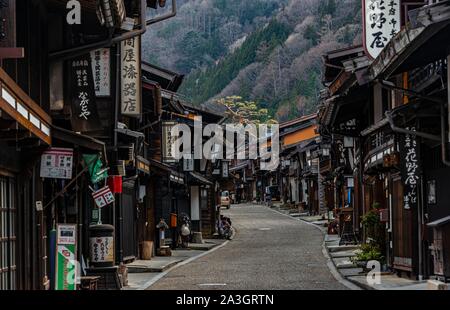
[(95, 167)]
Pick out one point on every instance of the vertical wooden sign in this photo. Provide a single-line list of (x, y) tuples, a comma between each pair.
[(131, 104), (85, 116), (381, 22)]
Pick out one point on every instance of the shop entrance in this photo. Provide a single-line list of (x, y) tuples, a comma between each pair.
[(401, 229)]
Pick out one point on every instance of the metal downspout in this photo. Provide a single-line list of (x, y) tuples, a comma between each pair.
[(445, 161), (409, 132), (79, 50)]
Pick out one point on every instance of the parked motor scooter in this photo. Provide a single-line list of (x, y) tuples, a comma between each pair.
[(226, 230), (185, 230)]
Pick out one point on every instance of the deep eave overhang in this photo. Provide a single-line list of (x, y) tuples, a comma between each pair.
[(301, 146), (169, 80), (78, 139), (239, 167), (417, 44), (198, 178), (300, 127), (298, 121)]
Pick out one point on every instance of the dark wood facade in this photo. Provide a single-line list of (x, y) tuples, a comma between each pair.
[(400, 143)]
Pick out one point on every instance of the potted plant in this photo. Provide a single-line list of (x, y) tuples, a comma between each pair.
[(367, 252), (371, 250)]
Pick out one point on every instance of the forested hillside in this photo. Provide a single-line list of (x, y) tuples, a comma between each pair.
[(267, 51)]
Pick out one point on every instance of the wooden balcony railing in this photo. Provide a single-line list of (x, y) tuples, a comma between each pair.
[(421, 78), (20, 107)]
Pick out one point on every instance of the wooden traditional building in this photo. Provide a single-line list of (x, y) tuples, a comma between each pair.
[(417, 80), (65, 95), (299, 165), (394, 109), (342, 115)]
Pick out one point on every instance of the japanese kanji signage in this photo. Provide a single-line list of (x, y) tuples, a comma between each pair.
[(381, 23), (188, 164), (57, 163), (102, 249), (131, 77), (410, 170), (101, 70), (84, 107), (67, 234), (225, 170), (167, 142), (103, 197)]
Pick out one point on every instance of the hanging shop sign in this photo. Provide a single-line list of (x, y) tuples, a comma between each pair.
[(431, 192), (131, 77), (57, 163), (142, 165), (85, 116), (188, 164), (101, 69), (285, 163), (66, 266), (381, 23), (217, 167), (225, 170), (410, 169), (103, 197), (350, 182), (350, 125), (167, 142)]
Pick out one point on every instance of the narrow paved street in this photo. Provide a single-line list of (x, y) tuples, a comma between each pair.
[(270, 251)]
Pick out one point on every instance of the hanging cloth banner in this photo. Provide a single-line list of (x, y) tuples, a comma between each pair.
[(95, 167), (85, 116), (103, 197)]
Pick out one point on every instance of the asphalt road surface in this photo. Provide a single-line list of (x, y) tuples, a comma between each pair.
[(270, 252)]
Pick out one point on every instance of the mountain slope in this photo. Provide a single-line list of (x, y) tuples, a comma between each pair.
[(269, 52), (204, 31)]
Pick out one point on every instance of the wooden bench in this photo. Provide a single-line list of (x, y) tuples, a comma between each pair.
[(89, 283)]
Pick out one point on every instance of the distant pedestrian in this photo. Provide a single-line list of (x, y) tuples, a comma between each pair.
[(162, 226)]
